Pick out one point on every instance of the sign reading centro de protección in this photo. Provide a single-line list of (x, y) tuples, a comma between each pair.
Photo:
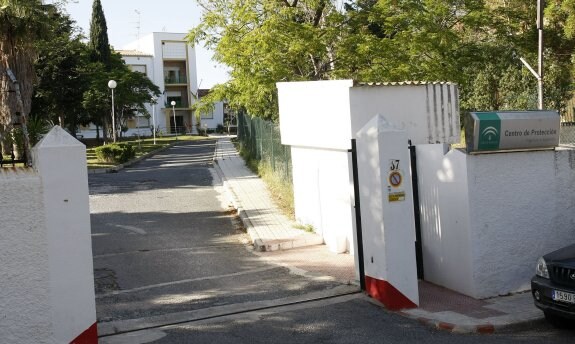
[(512, 130)]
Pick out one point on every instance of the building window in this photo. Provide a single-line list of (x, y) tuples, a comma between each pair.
[(178, 101), (174, 50), (174, 96), (138, 68), (173, 75), (208, 115)]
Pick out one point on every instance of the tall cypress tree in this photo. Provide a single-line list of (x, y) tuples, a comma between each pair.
[(100, 49), (99, 35)]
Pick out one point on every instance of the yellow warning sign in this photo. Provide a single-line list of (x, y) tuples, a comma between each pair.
[(397, 196)]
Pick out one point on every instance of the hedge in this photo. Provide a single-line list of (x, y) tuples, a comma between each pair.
[(117, 153)]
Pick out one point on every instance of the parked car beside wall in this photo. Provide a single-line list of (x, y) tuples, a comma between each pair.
[(553, 286)]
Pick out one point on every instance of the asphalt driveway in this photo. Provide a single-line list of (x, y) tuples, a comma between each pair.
[(165, 242)]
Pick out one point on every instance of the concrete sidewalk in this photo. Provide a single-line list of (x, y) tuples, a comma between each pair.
[(270, 231), (268, 228), (448, 310)]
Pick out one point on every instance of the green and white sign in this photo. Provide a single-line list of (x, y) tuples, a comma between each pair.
[(489, 131), (513, 130)]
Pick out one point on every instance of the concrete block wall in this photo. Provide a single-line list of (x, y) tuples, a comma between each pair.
[(24, 296), (318, 120), (487, 218), (318, 202)]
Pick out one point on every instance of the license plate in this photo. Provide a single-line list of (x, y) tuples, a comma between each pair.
[(562, 296)]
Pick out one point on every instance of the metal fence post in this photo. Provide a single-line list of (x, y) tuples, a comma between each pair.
[(272, 143)]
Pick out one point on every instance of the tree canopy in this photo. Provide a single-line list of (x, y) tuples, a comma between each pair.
[(98, 44), (61, 79), (475, 43), (61, 73), (22, 24), (265, 42)]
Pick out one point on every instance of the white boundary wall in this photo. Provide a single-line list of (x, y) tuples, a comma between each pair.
[(47, 293), (328, 114), (24, 295), (487, 218), (318, 120), (323, 189)]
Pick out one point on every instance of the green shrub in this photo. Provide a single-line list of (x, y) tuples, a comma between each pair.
[(117, 153)]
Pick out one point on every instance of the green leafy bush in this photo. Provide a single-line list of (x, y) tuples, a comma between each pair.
[(117, 153)]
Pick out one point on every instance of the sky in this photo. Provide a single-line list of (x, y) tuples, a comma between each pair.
[(122, 19)]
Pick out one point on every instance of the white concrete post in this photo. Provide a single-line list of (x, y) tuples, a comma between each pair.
[(60, 160), (387, 214)]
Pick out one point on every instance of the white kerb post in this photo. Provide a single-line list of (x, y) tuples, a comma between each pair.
[(60, 160), (386, 199)]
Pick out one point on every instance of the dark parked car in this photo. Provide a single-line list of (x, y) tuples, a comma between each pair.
[(553, 286)]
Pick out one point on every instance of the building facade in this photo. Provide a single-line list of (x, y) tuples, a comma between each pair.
[(211, 120), (170, 62)]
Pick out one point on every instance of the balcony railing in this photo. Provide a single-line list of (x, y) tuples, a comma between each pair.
[(179, 78)]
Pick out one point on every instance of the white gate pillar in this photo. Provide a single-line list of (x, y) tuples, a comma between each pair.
[(60, 161), (387, 215)]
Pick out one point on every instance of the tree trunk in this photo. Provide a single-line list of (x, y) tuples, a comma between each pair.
[(24, 119), (18, 68), (72, 127), (105, 129), (6, 142)]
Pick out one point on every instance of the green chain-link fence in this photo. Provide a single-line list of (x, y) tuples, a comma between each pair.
[(261, 139), (567, 131)]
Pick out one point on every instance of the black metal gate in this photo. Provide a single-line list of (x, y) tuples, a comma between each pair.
[(417, 214)]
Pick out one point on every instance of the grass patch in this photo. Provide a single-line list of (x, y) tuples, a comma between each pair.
[(142, 147), (307, 228), (462, 144), (8, 164), (281, 190)]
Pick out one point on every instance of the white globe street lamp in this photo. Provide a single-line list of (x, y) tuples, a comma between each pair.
[(154, 99), (112, 85), (174, 112)]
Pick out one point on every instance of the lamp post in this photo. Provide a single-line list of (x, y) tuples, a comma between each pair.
[(154, 99), (540, 11), (112, 85), (174, 112), (539, 73)]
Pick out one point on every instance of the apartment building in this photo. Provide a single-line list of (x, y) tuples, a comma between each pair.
[(170, 63)]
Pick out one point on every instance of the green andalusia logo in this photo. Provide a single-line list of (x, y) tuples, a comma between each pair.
[(489, 131)]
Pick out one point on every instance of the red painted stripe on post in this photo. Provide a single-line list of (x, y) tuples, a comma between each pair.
[(445, 326), (90, 336), (486, 329), (387, 294)]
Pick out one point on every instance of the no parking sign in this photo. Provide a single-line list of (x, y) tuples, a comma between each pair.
[(394, 181)]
